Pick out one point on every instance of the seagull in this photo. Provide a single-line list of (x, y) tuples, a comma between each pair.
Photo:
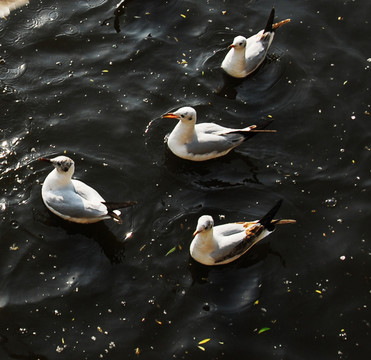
[(222, 244), (7, 5), (72, 199), (246, 55), (205, 141)]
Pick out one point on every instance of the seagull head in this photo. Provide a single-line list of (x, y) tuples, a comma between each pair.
[(205, 223), (239, 43), (185, 114), (63, 164)]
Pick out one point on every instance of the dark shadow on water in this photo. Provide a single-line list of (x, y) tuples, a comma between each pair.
[(228, 88), (215, 173), (200, 272), (119, 11), (232, 287), (16, 349), (230, 84), (112, 248)]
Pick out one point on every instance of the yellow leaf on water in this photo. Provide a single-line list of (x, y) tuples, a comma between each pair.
[(204, 341), (170, 251), (264, 329), (183, 16), (201, 348)]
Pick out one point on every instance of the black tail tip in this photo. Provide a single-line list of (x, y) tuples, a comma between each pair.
[(268, 27), (266, 220)]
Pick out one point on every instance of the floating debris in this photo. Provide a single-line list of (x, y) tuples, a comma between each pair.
[(331, 202), (171, 251), (264, 329), (204, 341)]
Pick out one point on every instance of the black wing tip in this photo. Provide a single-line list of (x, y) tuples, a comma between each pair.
[(268, 27), (265, 123), (111, 206), (261, 126), (266, 220)]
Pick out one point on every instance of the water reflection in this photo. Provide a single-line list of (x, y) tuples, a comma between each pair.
[(228, 88), (231, 170), (235, 286), (112, 247)]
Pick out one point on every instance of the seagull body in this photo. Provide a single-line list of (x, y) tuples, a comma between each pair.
[(72, 199), (205, 141), (8, 5), (247, 54), (222, 244)]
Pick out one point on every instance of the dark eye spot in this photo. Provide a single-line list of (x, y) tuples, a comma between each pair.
[(182, 116)]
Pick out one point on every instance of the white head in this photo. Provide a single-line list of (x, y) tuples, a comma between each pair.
[(239, 43), (63, 164), (185, 114), (205, 223)]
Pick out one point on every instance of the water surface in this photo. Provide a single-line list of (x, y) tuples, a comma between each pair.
[(70, 85)]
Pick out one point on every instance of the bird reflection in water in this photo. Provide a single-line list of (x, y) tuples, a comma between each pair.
[(112, 247), (119, 11)]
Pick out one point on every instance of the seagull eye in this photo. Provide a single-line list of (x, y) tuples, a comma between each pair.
[(59, 163)]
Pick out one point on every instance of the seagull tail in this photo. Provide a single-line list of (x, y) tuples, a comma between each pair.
[(267, 219), (255, 129), (269, 26), (268, 222), (112, 206)]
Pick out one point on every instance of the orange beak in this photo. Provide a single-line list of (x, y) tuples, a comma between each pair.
[(44, 159), (196, 232), (170, 116)]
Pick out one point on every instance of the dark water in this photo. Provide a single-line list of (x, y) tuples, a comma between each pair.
[(70, 85)]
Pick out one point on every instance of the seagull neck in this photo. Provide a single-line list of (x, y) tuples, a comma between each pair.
[(185, 132), (239, 58), (207, 242), (60, 180)]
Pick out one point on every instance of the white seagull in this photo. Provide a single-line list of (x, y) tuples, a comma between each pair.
[(222, 244), (72, 199), (246, 55), (8, 5), (205, 141)]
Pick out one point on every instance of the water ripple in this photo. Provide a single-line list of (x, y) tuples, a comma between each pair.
[(10, 73)]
